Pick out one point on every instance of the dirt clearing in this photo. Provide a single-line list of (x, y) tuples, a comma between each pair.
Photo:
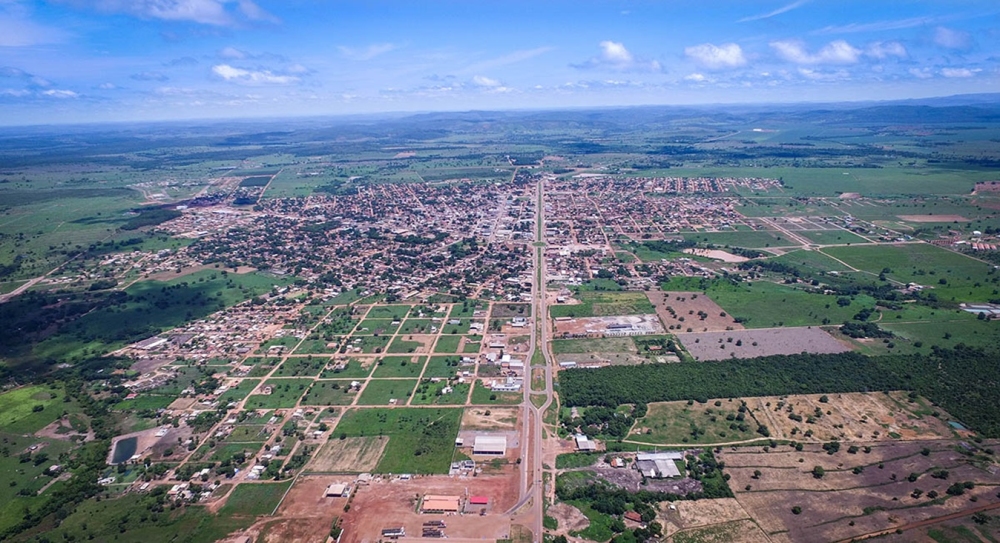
[(672, 305), (933, 218), (350, 455), (500, 418)]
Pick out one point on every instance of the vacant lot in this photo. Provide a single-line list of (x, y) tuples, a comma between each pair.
[(306, 515), (699, 312), (604, 304), (760, 342), (421, 439), (678, 422), (499, 418), (874, 416), (393, 503), (871, 491), (349, 455)]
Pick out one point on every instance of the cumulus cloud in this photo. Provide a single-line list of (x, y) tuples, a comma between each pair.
[(952, 39), (921, 73), (727, 55), (835, 52), (696, 77), (149, 76), (614, 55), (818, 75), (58, 93), (783, 9), (882, 50), (366, 53), (208, 12), (959, 72), (483, 81), (252, 77)]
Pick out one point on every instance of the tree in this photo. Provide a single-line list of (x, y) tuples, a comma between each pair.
[(818, 472), (796, 510)]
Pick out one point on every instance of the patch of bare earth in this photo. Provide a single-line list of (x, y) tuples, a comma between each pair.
[(933, 218), (689, 305), (857, 493), (760, 342), (393, 503)]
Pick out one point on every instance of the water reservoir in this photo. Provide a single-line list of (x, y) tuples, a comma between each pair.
[(124, 449)]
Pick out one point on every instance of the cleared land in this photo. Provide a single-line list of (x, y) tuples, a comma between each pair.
[(699, 312), (760, 342), (349, 455)]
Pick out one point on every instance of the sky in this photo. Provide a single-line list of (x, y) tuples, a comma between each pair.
[(71, 61)]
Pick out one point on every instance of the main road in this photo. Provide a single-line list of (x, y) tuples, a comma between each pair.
[(532, 487)]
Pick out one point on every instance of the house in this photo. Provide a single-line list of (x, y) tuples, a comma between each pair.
[(633, 516)]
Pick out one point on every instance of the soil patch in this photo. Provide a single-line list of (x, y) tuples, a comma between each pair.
[(760, 342), (691, 306), (350, 455), (933, 218)]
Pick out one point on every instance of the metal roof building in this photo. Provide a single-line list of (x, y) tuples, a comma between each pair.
[(658, 465), (490, 445)]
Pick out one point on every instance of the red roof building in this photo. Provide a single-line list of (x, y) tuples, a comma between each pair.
[(633, 516), (479, 500)]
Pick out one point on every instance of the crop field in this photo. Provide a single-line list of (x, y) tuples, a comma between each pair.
[(420, 440), (786, 489), (383, 391), (349, 455)]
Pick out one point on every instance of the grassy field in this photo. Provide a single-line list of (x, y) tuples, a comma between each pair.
[(255, 499), (353, 369), (399, 366), (380, 391), (603, 303), (391, 312), (813, 261), (239, 392), (284, 393), (376, 326), (28, 409), (400, 345), (329, 392), (482, 395), (758, 239), (420, 440), (301, 367), (703, 424), (431, 393), (949, 275), (447, 344), (443, 366)]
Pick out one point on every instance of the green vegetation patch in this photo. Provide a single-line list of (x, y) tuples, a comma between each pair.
[(255, 499), (592, 345), (381, 391), (284, 393), (329, 392), (421, 440), (399, 366), (605, 304), (28, 409)]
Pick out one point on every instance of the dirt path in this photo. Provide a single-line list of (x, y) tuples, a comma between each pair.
[(922, 523)]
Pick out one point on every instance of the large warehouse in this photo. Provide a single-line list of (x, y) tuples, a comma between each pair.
[(658, 465), (440, 504), (495, 445)]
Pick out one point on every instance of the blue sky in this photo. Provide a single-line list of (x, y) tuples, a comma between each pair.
[(117, 60)]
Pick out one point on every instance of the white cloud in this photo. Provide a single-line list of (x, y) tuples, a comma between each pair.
[(835, 52), (512, 58), (696, 77), (816, 75), (614, 55), (483, 81), (55, 93), (366, 53), (959, 72), (783, 9), (881, 50), (921, 73), (727, 55), (952, 39), (209, 12), (232, 53), (252, 77), (107, 86)]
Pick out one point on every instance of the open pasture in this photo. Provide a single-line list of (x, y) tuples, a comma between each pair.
[(420, 440), (384, 391)]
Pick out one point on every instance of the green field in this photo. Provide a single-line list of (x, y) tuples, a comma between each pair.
[(443, 366), (301, 367), (284, 393), (376, 326), (323, 392), (948, 275), (399, 366), (391, 312), (28, 409), (482, 395), (421, 440), (758, 239), (678, 423), (447, 344), (380, 391), (431, 393), (352, 369), (603, 304), (255, 499), (401, 346)]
